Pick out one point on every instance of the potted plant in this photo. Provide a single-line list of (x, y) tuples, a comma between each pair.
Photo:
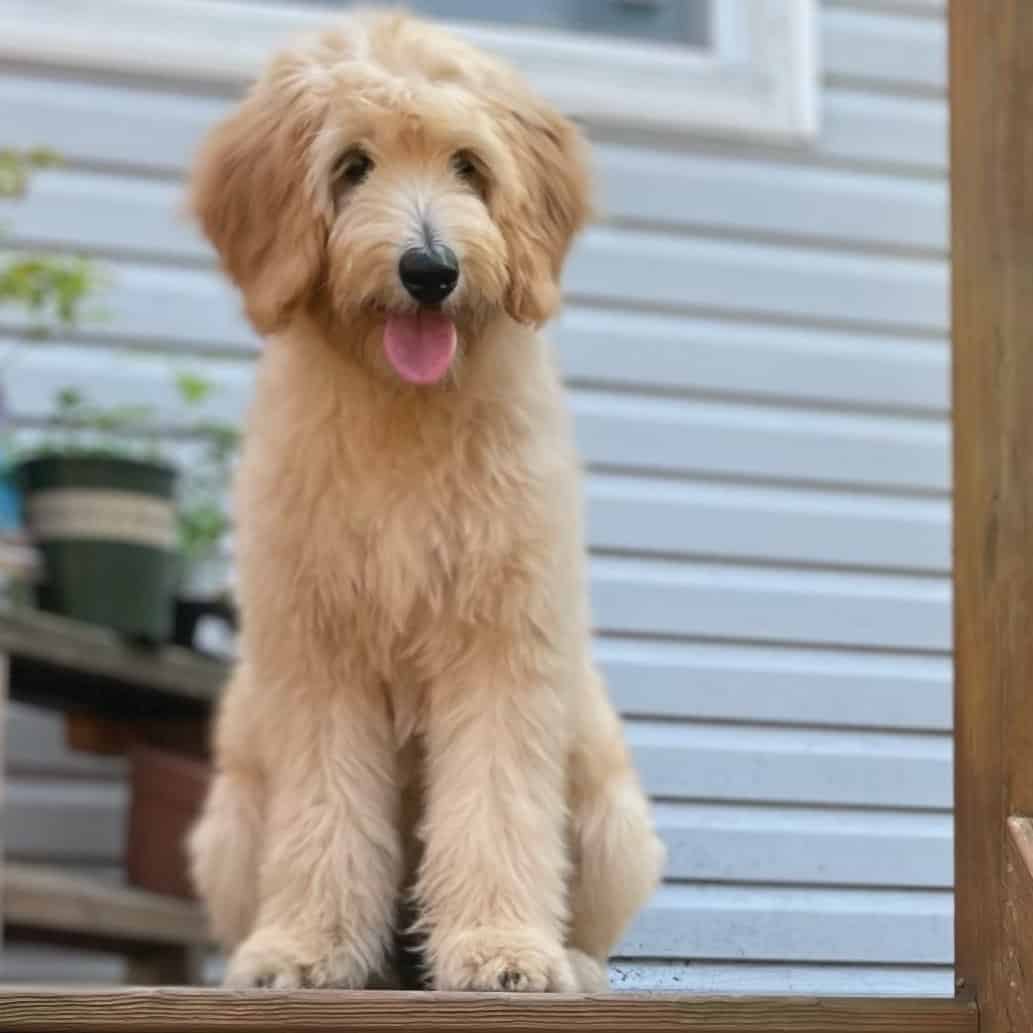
[(51, 290), (115, 535), (100, 505)]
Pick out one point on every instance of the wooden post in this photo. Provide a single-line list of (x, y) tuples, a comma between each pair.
[(991, 58)]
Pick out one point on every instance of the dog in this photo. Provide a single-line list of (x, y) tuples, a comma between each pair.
[(415, 734)]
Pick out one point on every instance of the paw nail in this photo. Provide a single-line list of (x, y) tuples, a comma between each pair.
[(511, 979)]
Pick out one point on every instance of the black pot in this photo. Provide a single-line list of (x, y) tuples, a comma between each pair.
[(106, 527)]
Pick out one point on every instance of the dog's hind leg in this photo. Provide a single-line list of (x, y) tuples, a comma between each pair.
[(224, 849), (618, 859), (224, 846)]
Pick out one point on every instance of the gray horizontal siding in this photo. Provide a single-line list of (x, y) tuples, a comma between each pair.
[(752, 977), (791, 765), (897, 53), (740, 682), (790, 923), (756, 347)]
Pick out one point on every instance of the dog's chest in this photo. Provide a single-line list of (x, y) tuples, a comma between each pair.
[(412, 548), (428, 553), (410, 533)]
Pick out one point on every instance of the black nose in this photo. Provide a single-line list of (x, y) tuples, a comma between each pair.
[(429, 274)]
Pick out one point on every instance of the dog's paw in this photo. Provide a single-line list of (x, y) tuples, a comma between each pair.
[(273, 960), (507, 960)]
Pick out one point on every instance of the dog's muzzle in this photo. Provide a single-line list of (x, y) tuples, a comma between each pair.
[(429, 274)]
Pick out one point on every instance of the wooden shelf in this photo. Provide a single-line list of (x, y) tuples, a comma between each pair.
[(31, 1010), (58, 662), (52, 901)]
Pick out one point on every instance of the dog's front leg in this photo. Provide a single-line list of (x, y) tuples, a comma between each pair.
[(330, 874), (493, 882)]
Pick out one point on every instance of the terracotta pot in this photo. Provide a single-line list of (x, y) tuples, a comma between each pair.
[(167, 791)]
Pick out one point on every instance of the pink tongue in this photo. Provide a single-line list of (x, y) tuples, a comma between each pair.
[(420, 346)]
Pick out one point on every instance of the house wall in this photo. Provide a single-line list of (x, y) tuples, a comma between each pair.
[(755, 342)]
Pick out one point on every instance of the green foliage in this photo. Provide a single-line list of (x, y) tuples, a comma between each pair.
[(202, 527), (53, 289), (17, 166), (78, 426), (68, 401), (48, 287), (193, 389), (203, 520)]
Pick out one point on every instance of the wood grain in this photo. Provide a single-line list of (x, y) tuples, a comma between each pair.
[(1021, 832), (1016, 967), (992, 212), (215, 1011)]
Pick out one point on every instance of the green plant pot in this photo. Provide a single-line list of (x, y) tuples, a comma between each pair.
[(106, 527)]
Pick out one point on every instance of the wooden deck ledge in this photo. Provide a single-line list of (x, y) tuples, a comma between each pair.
[(38, 1010)]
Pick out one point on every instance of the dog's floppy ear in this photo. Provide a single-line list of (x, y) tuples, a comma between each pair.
[(251, 191), (549, 205)]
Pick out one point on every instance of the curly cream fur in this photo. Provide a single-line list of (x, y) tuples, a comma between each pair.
[(416, 712)]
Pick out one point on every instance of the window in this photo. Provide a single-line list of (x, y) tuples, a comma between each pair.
[(740, 68), (669, 21)]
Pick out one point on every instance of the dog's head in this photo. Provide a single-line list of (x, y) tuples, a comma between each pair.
[(397, 182)]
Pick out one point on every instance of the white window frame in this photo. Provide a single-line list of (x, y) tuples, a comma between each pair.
[(759, 81)]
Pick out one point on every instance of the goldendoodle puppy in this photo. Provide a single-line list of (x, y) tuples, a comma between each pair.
[(415, 719)]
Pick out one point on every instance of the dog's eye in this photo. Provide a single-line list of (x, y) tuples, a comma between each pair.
[(468, 169), (463, 165), (352, 168)]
